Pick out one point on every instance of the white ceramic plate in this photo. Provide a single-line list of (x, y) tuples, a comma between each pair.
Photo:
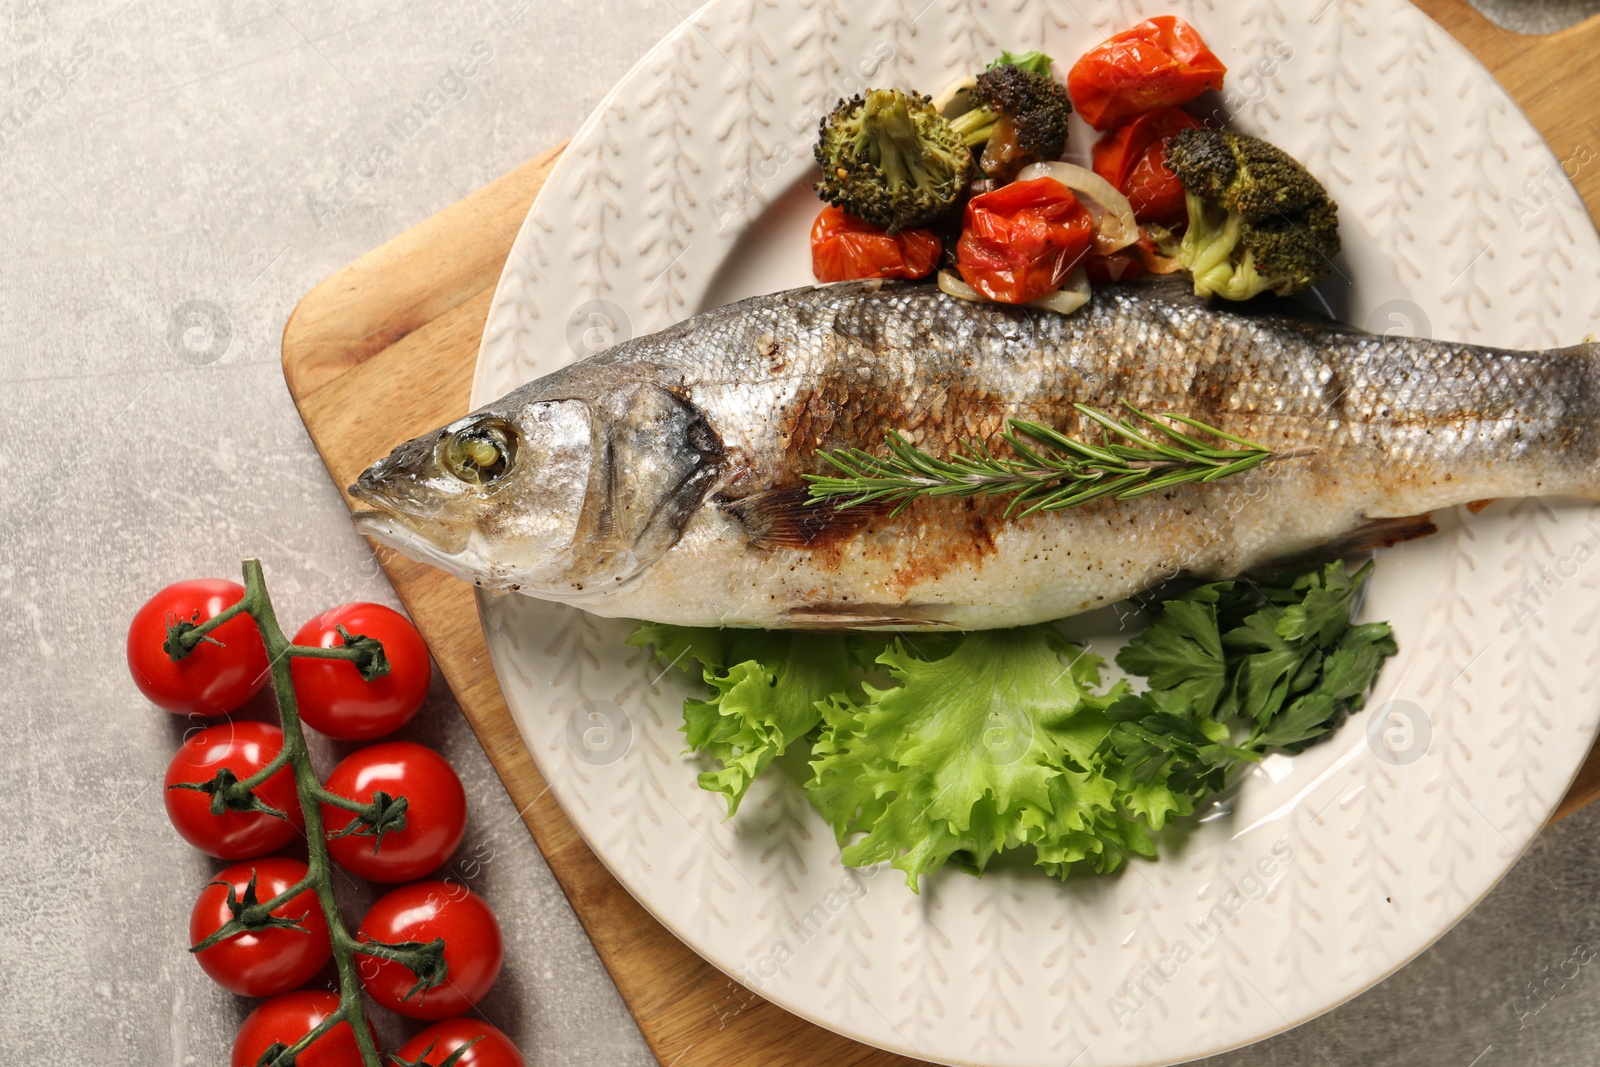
[(688, 188)]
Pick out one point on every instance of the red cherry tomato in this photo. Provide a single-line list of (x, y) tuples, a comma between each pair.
[(489, 1047), (287, 1018), (261, 963), (1133, 157), (1022, 240), (1129, 264), (473, 950), (436, 811), (1159, 63), (243, 748), (213, 679), (335, 699), (845, 247)]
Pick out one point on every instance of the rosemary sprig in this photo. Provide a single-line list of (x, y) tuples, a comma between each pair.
[(1047, 471)]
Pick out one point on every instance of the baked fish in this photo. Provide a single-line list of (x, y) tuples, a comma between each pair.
[(663, 478)]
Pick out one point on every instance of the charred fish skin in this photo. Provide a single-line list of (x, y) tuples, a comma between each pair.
[(679, 496)]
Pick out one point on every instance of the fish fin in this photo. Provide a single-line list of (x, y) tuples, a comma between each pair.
[(1371, 534), (842, 616), (785, 518)]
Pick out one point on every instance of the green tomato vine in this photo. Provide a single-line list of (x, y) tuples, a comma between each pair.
[(383, 815)]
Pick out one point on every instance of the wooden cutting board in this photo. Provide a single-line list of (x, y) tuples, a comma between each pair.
[(384, 350)]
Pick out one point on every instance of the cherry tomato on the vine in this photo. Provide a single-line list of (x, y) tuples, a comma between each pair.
[(260, 963), (473, 949), (220, 673), (1161, 62), (844, 247), (1022, 240), (243, 748), (335, 699), (435, 814), (489, 1047), (287, 1018)]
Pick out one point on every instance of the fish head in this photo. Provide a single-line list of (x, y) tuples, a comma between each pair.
[(558, 496), (495, 497)]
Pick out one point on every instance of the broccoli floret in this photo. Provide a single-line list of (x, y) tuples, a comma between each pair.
[(1036, 61), (1019, 115), (1258, 221), (891, 159)]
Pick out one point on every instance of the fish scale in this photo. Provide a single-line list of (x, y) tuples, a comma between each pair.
[(663, 479)]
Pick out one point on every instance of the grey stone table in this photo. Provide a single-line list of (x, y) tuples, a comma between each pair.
[(159, 153)]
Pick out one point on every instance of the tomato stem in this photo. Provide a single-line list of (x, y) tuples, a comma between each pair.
[(269, 906), (365, 652), (425, 960), (317, 652), (228, 793), (274, 765), (319, 874), (408, 953), (288, 1055), (183, 635), (337, 801), (449, 1061), (249, 914), (384, 814)]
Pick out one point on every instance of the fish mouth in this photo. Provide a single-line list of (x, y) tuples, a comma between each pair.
[(368, 490), (371, 485), (400, 533), (400, 521), (380, 526)]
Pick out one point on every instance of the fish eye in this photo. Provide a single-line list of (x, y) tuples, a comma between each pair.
[(481, 453)]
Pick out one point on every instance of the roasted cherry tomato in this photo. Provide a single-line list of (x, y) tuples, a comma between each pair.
[(243, 748), (473, 950), (1133, 157), (261, 963), (1117, 267), (844, 247), (214, 678), (285, 1019), (486, 1046), (335, 699), (1159, 63), (1022, 240), (1129, 264), (435, 814)]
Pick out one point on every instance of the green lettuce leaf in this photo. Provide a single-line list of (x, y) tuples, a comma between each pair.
[(955, 748), (993, 746), (767, 690)]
